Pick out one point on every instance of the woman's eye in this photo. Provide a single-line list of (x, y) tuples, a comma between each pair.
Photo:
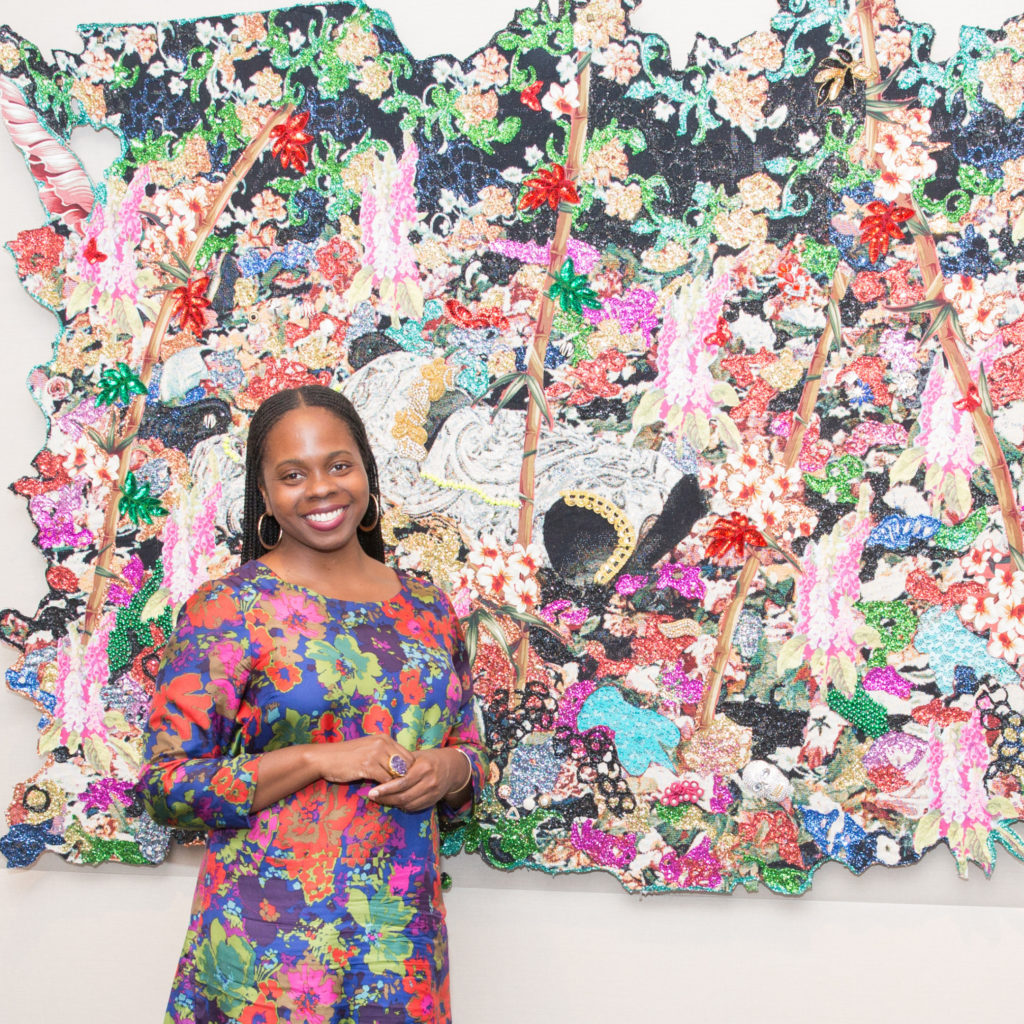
[(340, 467)]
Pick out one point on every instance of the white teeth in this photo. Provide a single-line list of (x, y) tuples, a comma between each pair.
[(323, 517)]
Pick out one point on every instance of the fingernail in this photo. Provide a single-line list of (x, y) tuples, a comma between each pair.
[(372, 795)]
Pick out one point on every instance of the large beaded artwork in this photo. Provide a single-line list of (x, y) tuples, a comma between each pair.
[(696, 381)]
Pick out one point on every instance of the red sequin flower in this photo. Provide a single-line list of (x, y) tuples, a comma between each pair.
[(882, 224), (734, 533), (548, 186), (191, 304), (290, 141)]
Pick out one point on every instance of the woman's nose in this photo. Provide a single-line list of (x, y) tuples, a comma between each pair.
[(321, 483)]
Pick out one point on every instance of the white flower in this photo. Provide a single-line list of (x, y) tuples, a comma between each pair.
[(887, 850), (533, 155), (663, 110), (513, 174), (559, 100), (443, 70), (704, 53), (177, 86), (566, 68), (807, 141), (205, 32), (296, 39)]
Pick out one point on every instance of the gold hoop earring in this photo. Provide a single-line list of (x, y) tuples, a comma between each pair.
[(376, 518), (259, 533)]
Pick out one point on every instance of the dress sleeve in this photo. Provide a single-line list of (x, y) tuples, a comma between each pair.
[(192, 777), (466, 733)]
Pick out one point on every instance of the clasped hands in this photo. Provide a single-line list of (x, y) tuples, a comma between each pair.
[(432, 774)]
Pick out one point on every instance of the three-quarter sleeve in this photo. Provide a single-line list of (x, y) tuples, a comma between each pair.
[(466, 732), (194, 777)]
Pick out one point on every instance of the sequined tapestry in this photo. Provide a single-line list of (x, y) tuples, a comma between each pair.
[(696, 382)]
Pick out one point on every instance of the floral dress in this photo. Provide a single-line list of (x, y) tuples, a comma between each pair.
[(324, 908)]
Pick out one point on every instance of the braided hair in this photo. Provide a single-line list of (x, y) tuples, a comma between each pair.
[(265, 417)]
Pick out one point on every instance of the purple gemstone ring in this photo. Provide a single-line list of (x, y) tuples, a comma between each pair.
[(397, 766)]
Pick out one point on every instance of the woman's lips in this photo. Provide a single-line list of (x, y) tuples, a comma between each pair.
[(329, 519)]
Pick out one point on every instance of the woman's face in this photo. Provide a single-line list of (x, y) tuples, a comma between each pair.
[(313, 480)]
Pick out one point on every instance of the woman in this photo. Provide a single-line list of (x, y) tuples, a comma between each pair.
[(313, 709)]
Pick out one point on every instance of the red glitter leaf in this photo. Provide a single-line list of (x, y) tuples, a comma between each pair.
[(191, 304), (549, 186), (92, 253), (734, 533), (289, 141), (882, 224), (970, 401), (721, 334), (529, 95)]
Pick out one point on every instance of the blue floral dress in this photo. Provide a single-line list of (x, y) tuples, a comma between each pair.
[(324, 908)]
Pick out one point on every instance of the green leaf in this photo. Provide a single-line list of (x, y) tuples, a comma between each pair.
[(1017, 557), (724, 393), (538, 396), (906, 465), (1001, 807), (729, 432), (646, 411), (491, 624), (174, 272), (1003, 832), (791, 653), (984, 393), (927, 832), (528, 618), (471, 630), (875, 91), (510, 392), (835, 321)]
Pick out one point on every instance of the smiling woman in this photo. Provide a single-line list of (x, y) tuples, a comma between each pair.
[(313, 711)]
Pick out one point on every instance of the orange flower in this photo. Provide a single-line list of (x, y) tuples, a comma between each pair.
[(411, 686), (224, 783), (379, 720)]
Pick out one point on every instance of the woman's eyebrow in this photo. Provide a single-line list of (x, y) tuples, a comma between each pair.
[(299, 461)]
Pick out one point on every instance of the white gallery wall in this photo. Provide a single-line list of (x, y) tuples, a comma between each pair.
[(99, 945)]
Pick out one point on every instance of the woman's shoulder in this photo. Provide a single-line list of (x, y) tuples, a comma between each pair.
[(424, 590), (240, 585)]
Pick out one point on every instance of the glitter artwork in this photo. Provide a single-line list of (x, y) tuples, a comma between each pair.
[(700, 398)]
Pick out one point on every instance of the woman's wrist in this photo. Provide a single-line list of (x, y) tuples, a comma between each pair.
[(467, 777)]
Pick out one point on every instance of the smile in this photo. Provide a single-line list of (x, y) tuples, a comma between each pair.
[(327, 520)]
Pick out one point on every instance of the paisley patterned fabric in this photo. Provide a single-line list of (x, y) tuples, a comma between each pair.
[(325, 905)]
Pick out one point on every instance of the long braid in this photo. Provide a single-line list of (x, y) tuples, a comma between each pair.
[(265, 417)]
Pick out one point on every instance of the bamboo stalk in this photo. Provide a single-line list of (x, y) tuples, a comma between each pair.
[(108, 538), (791, 456), (866, 25), (538, 350)]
